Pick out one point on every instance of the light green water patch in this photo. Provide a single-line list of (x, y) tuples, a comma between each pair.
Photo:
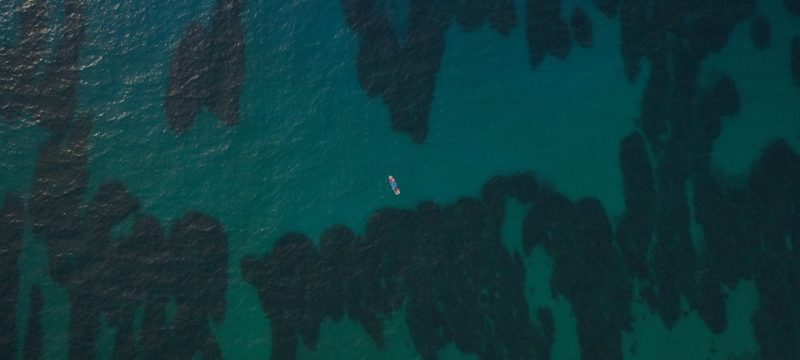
[(690, 338), (246, 332), (770, 102)]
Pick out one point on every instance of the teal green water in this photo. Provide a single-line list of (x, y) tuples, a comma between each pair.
[(312, 150)]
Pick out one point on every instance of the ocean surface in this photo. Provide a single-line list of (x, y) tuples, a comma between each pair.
[(207, 179)]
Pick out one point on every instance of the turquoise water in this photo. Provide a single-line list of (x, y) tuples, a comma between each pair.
[(312, 150)]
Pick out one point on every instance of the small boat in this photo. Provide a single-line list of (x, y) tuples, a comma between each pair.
[(393, 183)]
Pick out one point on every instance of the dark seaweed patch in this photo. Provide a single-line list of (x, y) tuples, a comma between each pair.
[(106, 278), (471, 14), (679, 122), (281, 278), (208, 69), (402, 72), (198, 260), (776, 200), (136, 268), (228, 61), (144, 270), (636, 225), (775, 189), (793, 6), (544, 344), (109, 278), (653, 28), (546, 32), (60, 179), (55, 97), (721, 100), (84, 324), (110, 205), (709, 300), (11, 225), (34, 339), (189, 83), (581, 28), (775, 321), (336, 247), (503, 16), (378, 50), (86, 276), (607, 7), (588, 271), (143, 267), (198, 236), (634, 31), (760, 32), (448, 268), (358, 14), (444, 264), (29, 53), (595, 269), (725, 235), (795, 61), (49, 98)]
